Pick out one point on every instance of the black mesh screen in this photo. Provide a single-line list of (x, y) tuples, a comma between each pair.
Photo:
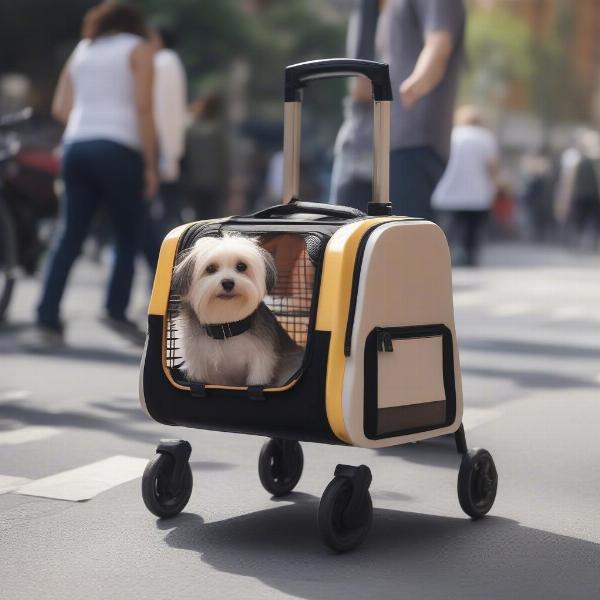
[(290, 300)]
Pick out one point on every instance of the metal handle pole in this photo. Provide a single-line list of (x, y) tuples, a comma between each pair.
[(292, 129), (381, 152)]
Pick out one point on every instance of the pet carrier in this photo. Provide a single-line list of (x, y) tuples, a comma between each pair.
[(368, 298)]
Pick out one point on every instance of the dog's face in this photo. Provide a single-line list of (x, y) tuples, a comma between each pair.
[(224, 279)]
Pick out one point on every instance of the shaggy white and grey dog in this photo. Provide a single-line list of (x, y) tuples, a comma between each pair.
[(228, 335)]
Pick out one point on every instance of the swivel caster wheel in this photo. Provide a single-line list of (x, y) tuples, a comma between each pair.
[(280, 465), (167, 480), (346, 510), (477, 483)]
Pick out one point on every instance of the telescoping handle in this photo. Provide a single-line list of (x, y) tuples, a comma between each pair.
[(297, 77)]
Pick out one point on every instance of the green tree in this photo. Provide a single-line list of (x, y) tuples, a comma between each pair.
[(498, 56)]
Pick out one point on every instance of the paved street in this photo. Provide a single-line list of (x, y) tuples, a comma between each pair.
[(529, 336)]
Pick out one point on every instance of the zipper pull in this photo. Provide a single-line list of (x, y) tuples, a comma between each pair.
[(380, 335), (387, 340), (384, 341)]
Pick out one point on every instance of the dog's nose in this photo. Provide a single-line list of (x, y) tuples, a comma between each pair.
[(228, 284)]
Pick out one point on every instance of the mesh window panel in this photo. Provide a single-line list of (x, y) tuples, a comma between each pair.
[(290, 300)]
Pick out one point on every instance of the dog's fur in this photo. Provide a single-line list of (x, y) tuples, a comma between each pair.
[(262, 355)]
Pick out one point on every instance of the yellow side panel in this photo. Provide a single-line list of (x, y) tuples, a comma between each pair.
[(334, 306), (162, 278), (159, 299)]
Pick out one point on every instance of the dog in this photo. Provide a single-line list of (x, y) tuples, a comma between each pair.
[(228, 335)]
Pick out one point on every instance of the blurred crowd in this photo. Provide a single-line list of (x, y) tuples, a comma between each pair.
[(138, 158)]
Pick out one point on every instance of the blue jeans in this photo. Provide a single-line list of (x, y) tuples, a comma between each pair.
[(414, 175), (355, 193), (95, 173)]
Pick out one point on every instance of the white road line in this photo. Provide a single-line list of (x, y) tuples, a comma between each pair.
[(469, 299), (511, 309), (86, 482), (27, 434), (567, 313), (474, 417), (8, 395), (9, 483)]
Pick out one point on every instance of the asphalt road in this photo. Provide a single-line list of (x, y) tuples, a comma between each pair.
[(529, 337)]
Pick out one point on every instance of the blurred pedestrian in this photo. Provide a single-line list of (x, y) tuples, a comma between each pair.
[(170, 117), (468, 186), (207, 157), (536, 195), (104, 96), (585, 211), (422, 40), (352, 175)]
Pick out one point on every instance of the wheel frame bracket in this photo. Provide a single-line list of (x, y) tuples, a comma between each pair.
[(360, 478), (180, 451)]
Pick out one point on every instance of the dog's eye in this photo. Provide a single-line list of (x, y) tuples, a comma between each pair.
[(211, 269), (241, 267)]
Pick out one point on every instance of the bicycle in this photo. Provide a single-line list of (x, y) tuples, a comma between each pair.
[(27, 173)]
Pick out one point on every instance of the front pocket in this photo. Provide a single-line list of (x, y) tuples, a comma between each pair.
[(409, 380)]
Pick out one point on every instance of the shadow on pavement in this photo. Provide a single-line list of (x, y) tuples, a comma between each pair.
[(79, 353), (406, 555), (532, 379), (528, 348), (439, 452), (29, 415)]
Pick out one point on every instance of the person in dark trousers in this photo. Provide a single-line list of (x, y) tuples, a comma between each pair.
[(104, 96), (207, 158), (468, 187), (422, 40), (352, 176), (586, 200)]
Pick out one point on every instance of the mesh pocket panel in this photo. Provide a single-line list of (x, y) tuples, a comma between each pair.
[(290, 300)]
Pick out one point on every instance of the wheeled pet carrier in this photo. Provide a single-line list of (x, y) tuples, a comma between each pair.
[(369, 298)]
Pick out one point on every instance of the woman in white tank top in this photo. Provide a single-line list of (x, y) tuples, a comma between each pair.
[(104, 97)]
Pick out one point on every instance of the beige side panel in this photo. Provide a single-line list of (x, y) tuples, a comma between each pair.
[(405, 280), (417, 364)]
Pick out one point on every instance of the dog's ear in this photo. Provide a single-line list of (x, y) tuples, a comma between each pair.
[(270, 271), (182, 275)]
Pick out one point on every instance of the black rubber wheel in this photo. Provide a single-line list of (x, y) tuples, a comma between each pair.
[(477, 483), (279, 474), (334, 501), (159, 500)]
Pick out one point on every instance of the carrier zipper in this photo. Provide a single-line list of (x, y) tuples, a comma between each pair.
[(360, 252), (353, 291)]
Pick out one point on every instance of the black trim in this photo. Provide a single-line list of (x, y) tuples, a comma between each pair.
[(299, 75), (298, 413), (371, 376), (379, 209), (295, 207)]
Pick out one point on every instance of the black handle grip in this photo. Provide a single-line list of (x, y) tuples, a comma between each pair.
[(298, 75), (313, 208)]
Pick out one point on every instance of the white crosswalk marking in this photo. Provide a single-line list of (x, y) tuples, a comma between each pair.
[(511, 310), (86, 482), (27, 434), (567, 313), (9, 483), (8, 395), (474, 417)]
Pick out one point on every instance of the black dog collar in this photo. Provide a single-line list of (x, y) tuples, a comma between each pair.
[(221, 331)]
